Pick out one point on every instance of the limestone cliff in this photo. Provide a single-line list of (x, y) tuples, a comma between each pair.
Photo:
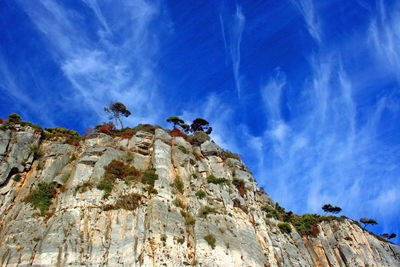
[(137, 225)]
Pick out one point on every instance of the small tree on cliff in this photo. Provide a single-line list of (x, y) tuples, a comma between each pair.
[(366, 222), (331, 209), (389, 236), (202, 125), (116, 110), (175, 120)]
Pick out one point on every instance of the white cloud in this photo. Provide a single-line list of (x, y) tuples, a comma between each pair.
[(235, 27), (307, 10), (117, 64)]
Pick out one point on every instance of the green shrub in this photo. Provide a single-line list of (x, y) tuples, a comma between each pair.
[(210, 240), (183, 149), (70, 136), (129, 157), (14, 118), (36, 127), (178, 184), (163, 238), (229, 154), (239, 183), (201, 194), (72, 158), (119, 170), (149, 176), (206, 210), (17, 177), (178, 203), (214, 180), (106, 185), (37, 153), (180, 240), (41, 198), (189, 220), (198, 138), (84, 187), (285, 227), (146, 128), (306, 224), (126, 202)]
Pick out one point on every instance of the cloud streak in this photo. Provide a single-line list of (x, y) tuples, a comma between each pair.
[(117, 64), (235, 25)]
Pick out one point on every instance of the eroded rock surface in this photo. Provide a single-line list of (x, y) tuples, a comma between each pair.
[(81, 228)]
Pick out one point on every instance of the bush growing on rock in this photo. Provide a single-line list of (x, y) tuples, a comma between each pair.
[(189, 220), (126, 202), (14, 118), (35, 150), (228, 154), (198, 138), (210, 240), (206, 210), (178, 203), (239, 183), (70, 136), (285, 227), (41, 198), (117, 170), (214, 180), (200, 194), (178, 184)]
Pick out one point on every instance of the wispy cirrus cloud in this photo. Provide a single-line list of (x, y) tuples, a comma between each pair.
[(232, 29), (307, 10), (113, 63), (384, 37)]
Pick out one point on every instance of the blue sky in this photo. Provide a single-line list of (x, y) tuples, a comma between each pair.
[(308, 92)]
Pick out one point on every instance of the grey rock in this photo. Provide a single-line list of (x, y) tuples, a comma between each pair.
[(209, 148), (87, 229)]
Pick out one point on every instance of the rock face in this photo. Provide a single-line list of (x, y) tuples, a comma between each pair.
[(80, 228)]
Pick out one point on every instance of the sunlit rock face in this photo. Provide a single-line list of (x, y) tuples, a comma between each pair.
[(81, 227)]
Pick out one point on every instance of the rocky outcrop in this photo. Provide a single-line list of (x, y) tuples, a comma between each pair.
[(82, 227)]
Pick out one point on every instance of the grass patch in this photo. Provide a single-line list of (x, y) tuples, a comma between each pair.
[(41, 198), (189, 220), (210, 240), (285, 227), (214, 180), (17, 177), (126, 202), (206, 210), (239, 183), (228, 154), (201, 194), (82, 188), (178, 203), (178, 184), (183, 149), (35, 150)]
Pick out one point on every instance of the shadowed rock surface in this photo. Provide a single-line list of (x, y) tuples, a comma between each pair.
[(83, 228)]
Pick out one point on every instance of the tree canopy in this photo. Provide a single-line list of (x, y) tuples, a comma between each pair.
[(367, 222), (389, 236), (331, 209), (202, 125), (116, 110), (175, 120)]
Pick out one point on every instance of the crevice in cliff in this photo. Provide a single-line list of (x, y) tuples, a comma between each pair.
[(10, 174)]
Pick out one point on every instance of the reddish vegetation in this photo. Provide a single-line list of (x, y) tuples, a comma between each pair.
[(1, 120), (72, 142), (241, 190), (127, 133), (103, 129), (177, 132)]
